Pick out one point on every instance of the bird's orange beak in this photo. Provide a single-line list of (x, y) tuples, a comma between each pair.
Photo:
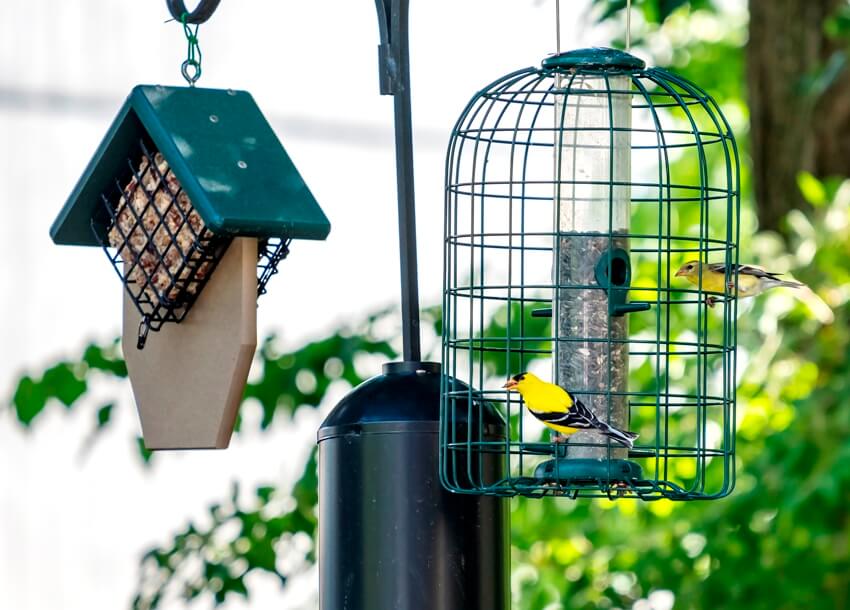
[(510, 385), (681, 272)]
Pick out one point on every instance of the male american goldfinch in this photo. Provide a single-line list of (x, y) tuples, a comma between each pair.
[(554, 406), (751, 280)]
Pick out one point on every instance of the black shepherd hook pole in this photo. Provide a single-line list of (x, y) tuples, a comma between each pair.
[(394, 60)]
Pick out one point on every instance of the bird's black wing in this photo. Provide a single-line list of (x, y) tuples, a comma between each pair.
[(743, 270), (578, 416)]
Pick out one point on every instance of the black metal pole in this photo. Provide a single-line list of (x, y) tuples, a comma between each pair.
[(391, 537), (394, 59)]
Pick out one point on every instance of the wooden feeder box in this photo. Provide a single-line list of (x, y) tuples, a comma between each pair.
[(195, 202)]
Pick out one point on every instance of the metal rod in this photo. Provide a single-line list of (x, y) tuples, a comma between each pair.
[(558, 26), (394, 58)]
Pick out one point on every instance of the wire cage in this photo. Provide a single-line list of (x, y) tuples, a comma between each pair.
[(574, 193), (158, 243)]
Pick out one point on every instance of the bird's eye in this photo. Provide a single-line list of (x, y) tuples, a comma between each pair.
[(690, 267)]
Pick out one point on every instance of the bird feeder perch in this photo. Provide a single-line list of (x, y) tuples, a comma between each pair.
[(574, 190), (195, 202)]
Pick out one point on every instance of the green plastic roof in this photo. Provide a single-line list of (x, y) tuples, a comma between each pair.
[(221, 149)]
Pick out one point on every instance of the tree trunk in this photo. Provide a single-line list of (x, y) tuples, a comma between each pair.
[(791, 128)]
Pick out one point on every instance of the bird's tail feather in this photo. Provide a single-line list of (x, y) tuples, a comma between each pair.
[(625, 438), (789, 284)]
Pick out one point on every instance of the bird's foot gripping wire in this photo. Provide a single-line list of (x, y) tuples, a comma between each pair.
[(710, 301), (559, 439)]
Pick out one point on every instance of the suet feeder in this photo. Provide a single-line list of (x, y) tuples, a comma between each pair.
[(574, 190), (195, 202)]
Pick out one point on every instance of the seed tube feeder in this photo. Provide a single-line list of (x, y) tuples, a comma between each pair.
[(573, 193), (195, 202), (592, 177)]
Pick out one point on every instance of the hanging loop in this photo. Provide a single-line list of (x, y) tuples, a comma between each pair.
[(202, 12), (191, 68)]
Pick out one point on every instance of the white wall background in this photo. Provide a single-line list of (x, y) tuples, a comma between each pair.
[(73, 527)]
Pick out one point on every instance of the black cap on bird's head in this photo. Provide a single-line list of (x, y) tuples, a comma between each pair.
[(513, 381)]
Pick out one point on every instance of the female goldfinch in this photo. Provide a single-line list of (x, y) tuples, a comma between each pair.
[(554, 406), (751, 280)]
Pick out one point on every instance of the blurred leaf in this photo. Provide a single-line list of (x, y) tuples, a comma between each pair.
[(812, 189), (818, 82), (838, 25), (105, 358), (62, 383), (609, 8), (104, 414), (29, 400), (653, 11), (58, 382), (145, 453), (668, 7)]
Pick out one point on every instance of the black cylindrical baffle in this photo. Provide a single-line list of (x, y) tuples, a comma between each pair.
[(390, 536)]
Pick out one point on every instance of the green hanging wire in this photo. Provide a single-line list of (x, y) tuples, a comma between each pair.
[(191, 68)]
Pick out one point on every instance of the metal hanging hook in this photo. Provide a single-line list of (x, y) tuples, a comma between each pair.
[(202, 12), (144, 328), (191, 71), (191, 68)]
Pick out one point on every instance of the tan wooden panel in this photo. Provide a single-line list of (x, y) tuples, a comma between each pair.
[(189, 379)]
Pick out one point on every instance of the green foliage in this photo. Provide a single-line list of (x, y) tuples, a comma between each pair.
[(653, 11), (784, 525), (214, 560), (60, 381), (813, 189), (287, 380), (65, 381), (318, 364)]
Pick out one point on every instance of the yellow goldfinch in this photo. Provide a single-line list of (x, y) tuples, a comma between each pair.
[(554, 406), (751, 280)]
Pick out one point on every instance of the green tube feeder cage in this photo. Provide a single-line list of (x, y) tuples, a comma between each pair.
[(574, 191)]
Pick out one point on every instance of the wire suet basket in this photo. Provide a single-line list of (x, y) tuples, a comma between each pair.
[(158, 243)]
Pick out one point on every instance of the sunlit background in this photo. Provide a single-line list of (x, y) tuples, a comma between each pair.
[(78, 509)]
